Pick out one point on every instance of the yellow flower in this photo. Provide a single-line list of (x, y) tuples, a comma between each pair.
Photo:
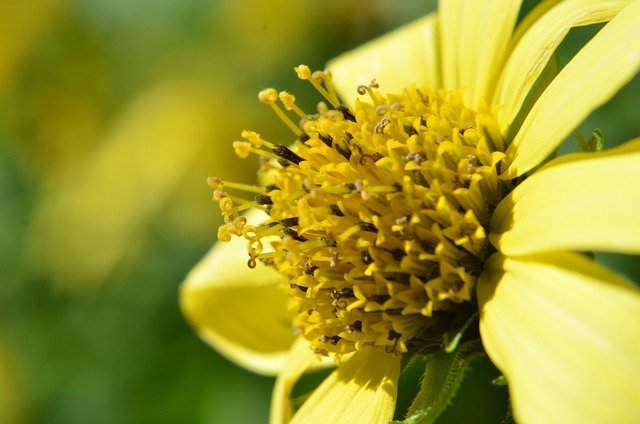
[(403, 213)]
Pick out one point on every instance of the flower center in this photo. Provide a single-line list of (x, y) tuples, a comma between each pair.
[(378, 216)]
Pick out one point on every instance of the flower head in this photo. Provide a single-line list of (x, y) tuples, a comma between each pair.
[(404, 211)]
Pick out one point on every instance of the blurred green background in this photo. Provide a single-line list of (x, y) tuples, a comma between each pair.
[(112, 115)]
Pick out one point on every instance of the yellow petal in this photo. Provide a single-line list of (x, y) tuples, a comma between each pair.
[(592, 77), (474, 37), (239, 311), (564, 331), (362, 390), (535, 48), (301, 358), (404, 57), (583, 201)]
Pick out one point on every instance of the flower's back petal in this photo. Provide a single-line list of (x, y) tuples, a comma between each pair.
[(301, 358), (404, 57), (362, 390), (564, 331), (474, 36), (583, 201), (239, 311), (535, 48), (591, 78)]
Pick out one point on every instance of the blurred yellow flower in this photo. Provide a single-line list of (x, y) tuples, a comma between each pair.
[(87, 224), (405, 211)]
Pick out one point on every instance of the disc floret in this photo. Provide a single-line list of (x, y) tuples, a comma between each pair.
[(377, 216)]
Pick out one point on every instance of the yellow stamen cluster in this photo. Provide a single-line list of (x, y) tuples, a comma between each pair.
[(377, 216)]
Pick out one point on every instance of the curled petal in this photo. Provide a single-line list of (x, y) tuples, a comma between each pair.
[(591, 78), (537, 44), (239, 311), (301, 358)]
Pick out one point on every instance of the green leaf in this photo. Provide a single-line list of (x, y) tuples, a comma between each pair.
[(440, 382), (595, 143), (452, 338), (597, 140), (499, 381)]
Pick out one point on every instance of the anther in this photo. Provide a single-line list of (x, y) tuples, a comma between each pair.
[(309, 267), (326, 139), (330, 339), (341, 294), (398, 254), (293, 285), (355, 327), (286, 154), (365, 257), (409, 130), (343, 149), (348, 115), (304, 137), (335, 210), (293, 234), (289, 222), (464, 130), (395, 336), (263, 199), (366, 226), (379, 298)]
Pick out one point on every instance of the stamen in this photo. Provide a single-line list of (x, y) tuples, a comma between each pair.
[(270, 97), (369, 89), (304, 73), (219, 184), (243, 149), (326, 79), (255, 139), (289, 102)]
